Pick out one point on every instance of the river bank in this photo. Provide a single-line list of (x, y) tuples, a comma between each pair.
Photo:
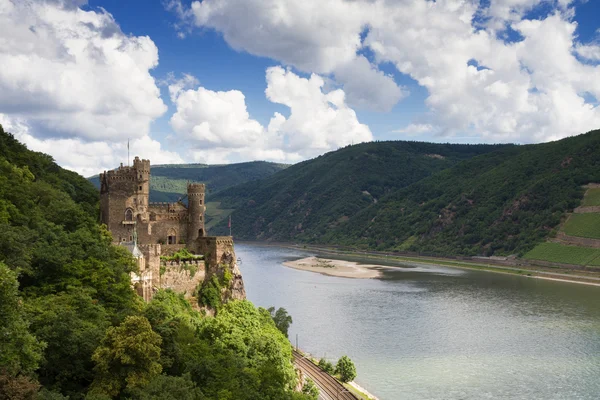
[(584, 277)]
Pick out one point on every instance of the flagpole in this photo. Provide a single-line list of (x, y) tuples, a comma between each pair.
[(230, 225), (128, 152)]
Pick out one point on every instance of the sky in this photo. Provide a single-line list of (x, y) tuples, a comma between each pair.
[(222, 81)]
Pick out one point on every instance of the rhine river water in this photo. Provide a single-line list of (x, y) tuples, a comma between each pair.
[(439, 333)]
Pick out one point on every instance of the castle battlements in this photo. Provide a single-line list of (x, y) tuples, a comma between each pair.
[(162, 228)]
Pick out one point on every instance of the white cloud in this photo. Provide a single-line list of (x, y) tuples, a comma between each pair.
[(219, 128), (85, 157), (73, 73), (479, 82), (367, 87), (314, 36), (589, 52)]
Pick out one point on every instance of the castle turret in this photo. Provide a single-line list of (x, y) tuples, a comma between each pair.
[(195, 212)]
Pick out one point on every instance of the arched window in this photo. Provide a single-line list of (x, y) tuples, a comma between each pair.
[(201, 232), (152, 216), (129, 214), (172, 237)]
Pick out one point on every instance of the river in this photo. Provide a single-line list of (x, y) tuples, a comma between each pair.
[(439, 333)]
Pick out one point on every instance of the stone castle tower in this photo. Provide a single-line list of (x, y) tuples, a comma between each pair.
[(125, 205), (151, 230)]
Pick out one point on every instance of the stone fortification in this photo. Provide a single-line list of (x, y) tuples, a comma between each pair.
[(125, 205), (151, 230)]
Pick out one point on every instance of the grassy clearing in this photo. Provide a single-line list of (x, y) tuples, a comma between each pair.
[(560, 253), (592, 198), (583, 225)]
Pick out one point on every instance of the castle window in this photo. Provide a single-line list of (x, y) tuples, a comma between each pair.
[(152, 216), (172, 238), (129, 214), (140, 188)]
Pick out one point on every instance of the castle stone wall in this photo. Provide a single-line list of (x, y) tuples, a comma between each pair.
[(182, 277)]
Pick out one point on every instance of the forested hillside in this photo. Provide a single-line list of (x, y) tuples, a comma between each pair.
[(72, 327), (501, 202), (307, 200), (169, 182)]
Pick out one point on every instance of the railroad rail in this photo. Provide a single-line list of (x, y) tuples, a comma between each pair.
[(329, 387)]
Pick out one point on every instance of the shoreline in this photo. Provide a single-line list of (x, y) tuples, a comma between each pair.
[(557, 275)]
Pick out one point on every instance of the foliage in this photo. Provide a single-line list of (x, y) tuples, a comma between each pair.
[(164, 387), (345, 369), (72, 325), (182, 255), (308, 199), (560, 253), (326, 366), (210, 293), (70, 321), (17, 387), (310, 389), (478, 200), (592, 197), (127, 357), (281, 319), (584, 225), (20, 351)]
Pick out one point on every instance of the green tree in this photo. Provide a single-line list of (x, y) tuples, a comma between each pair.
[(20, 351), (346, 369), (165, 387), (72, 324), (281, 319), (326, 366), (127, 357), (310, 389)]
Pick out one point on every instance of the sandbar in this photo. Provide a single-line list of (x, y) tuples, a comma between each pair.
[(345, 269)]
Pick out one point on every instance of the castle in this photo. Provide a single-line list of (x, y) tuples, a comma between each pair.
[(152, 231), (124, 204)]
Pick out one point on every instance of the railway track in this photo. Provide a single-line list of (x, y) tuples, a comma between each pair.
[(330, 388)]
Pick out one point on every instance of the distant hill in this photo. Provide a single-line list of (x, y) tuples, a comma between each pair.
[(444, 199), (308, 200), (169, 182)]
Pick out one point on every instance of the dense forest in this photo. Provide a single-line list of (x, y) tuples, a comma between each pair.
[(421, 197), (307, 200), (169, 182), (72, 327)]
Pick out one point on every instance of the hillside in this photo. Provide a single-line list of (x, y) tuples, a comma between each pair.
[(307, 200), (71, 326), (169, 182), (502, 201)]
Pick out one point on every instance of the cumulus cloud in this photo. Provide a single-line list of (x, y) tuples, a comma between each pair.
[(75, 79), (489, 70), (219, 127), (88, 157), (73, 73), (314, 36)]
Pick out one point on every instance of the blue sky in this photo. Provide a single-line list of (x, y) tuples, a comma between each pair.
[(234, 80)]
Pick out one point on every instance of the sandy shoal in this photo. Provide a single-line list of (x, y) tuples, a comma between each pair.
[(346, 269)]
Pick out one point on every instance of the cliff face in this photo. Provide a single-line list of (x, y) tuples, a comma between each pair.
[(223, 279), (207, 283)]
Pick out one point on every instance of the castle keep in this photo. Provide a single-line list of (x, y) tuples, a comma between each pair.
[(124, 204), (152, 231)]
